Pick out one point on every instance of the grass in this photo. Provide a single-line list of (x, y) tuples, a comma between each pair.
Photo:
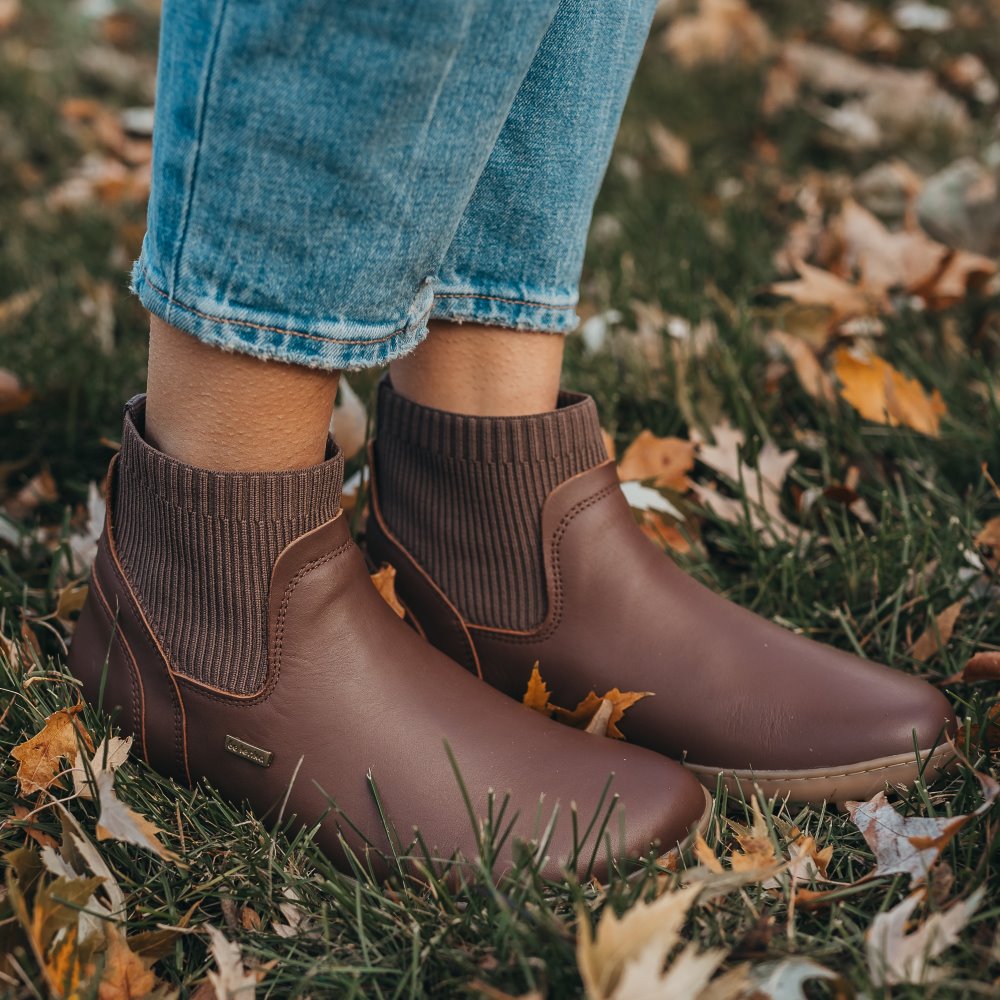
[(698, 246)]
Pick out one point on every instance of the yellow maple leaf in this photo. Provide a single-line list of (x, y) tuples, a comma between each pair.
[(385, 583), (581, 716), (126, 975), (537, 694), (665, 460), (884, 395), (39, 758)]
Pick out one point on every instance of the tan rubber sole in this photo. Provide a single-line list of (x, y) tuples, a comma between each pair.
[(832, 784)]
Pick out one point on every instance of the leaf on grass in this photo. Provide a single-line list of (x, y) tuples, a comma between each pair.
[(39, 758), (231, 980), (83, 541), (895, 956), (664, 460), (70, 601), (982, 667), (118, 822), (108, 757), (807, 368), (625, 957), (784, 979), (719, 31), (13, 395), (385, 583), (126, 975), (761, 486), (537, 694), (34, 832), (40, 489), (938, 633), (910, 846), (883, 395), (816, 287)]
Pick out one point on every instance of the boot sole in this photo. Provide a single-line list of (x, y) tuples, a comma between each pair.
[(856, 781)]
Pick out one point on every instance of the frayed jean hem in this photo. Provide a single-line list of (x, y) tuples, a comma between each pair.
[(512, 308), (334, 344)]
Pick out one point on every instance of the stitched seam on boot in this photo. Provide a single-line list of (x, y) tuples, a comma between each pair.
[(135, 686), (237, 700)]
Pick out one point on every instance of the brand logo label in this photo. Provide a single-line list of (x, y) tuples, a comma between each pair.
[(249, 752)]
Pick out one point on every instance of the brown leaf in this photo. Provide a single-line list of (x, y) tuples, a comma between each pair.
[(911, 845), (938, 634), (385, 583), (982, 667), (664, 532), (598, 725), (537, 694), (36, 833), (666, 461), (609, 444), (70, 601), (39, 758), (581, 716), (13, 395), (118, 822), (40, 489), (988, 543), (719, 31), (126, 975), (883, 395), (808, 370), (816, 287)]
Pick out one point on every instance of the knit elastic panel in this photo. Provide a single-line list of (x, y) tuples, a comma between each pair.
[(464, 494), (198, 547)]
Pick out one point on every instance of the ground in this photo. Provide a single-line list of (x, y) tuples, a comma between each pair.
[(849, 495)]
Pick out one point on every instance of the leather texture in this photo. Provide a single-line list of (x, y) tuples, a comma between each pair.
[(352, 692), (732, 692)]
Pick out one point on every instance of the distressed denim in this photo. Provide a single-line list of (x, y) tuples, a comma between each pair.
[(330, 174)]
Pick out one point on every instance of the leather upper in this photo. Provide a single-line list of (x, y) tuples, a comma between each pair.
[(730, 690)]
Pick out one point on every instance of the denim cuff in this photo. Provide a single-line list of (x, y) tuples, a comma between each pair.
[(515, 307), (335, 344)]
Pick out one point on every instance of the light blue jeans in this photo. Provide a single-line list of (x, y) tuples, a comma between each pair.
[(330, 174)]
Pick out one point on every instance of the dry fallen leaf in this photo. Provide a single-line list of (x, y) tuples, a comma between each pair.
[(126, 975), (537, 694), (895, 956), (13, 395), (983, 666), (808, 370), (607, 710), (761, 487), (911, 846), (817, 287), (39, 759), (625, 958), (385, 583), (71, 600), (583, 715), (40, 489), (664, 460), (783, 980), (938, 633), (231, 980), (719, 31), (883, 395), (118, 822), (110, 754)]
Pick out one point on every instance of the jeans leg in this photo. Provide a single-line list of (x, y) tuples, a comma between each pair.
[(312, 160), (516, 258)]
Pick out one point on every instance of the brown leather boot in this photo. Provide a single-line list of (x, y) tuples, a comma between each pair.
[(321, 691), (580, 590)]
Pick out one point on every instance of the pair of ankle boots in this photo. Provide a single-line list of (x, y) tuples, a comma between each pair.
[(232, 626)]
